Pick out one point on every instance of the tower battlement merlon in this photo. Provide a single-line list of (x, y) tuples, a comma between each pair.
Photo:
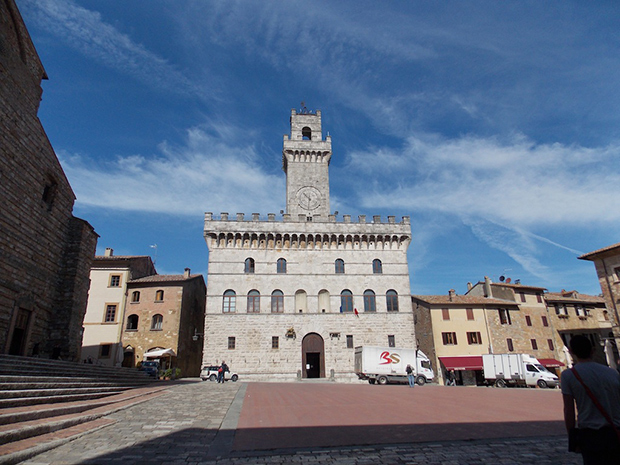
[(287, 218)]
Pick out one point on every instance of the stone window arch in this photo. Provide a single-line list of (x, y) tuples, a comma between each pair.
[(277, 301), (281, 266), (229, 301), (391, 298), (306, 133), (132, 323), (370, 301), (339, 266), (253, 301), (157, 322), (377, 266), (249, 265), (324, 304), (301, 301), (346, 301)]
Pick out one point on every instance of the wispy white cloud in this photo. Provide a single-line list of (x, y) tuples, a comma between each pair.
[(204, 173), (86, 31), (512, 182)]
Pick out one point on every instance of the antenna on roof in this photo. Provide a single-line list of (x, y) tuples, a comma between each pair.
[(502, 278), (154, 246), (508, 280)]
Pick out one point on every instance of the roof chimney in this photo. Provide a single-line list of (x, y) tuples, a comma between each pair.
[(469, 286), (108, 252), (451, 293), (487, 286), (186, 274)]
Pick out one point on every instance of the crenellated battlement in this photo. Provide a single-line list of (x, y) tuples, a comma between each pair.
[(287, 218)]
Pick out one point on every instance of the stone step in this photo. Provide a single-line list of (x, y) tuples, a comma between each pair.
[(20, 402), (17, 394), (22, 440), (39, 411), (58, 383), (16, 370)]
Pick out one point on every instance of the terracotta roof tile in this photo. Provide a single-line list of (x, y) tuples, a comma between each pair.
[(164, 278), (463, 300), (519, 286), (591, 255), (568, 297)]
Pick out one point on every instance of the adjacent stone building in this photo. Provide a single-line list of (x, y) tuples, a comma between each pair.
[(455, 330), (165, 315), (45, 252), (105, 312), (607, 264), (291, 297)]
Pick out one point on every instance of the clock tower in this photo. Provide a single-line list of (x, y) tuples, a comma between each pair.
[(305, 160)]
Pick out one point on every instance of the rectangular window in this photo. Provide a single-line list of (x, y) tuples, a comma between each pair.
[(231, 342), (550, 342), (474, 338), (110, 313), (391, 341), (522, 295), (349, 341), (579, 310), (504, 316), (445, 313), (544, 321), (105, 350), (115, 280), (534, 344), (509, 345), (470, 313), (275, 342), (449, 339), (528, 320), (539, 298)]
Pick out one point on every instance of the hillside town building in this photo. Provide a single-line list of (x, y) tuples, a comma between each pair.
[(607, 264), (495, 318), (164, 317), (46, 251), (105, 312), (291, 297)]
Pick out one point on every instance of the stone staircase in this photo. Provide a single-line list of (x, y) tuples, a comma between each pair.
[(44, 403)]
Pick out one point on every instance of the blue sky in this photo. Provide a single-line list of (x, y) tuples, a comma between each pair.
[(494, 125)]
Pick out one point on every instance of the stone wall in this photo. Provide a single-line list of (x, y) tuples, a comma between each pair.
[(45, 251)]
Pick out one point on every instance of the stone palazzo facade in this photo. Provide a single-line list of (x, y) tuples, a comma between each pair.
[(291, 298)]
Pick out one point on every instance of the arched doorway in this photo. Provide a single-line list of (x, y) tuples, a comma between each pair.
[(313, 356), (129, 357)]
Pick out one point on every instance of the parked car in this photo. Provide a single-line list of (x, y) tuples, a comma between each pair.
[(210, 373), (151, 367)]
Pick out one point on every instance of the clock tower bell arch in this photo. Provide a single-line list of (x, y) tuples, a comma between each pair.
[(305, 160)]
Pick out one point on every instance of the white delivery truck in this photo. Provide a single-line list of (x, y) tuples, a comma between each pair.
[(516, 370), (385, 365)]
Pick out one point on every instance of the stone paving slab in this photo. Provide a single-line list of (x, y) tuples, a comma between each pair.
[(186, 424)]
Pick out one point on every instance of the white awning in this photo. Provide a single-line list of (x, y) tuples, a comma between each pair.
[(160, 353)]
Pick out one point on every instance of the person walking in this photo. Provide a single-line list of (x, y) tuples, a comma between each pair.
[(221, 373), (410, 375), (595, 390)]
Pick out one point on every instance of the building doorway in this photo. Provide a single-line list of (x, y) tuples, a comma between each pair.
[(20, 332), (313, 356), (129, 357)]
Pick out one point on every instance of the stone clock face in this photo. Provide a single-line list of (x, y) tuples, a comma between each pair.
[(308, 198)]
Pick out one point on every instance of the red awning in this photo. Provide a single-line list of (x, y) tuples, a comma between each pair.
[(550, 363), (468, 362)]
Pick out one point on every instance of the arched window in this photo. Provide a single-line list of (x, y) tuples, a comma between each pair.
[(132, 323), (249, 265), (339, 266), (370, 301), (281, 268), (301, 301), (391, 298), (377, 266), (277, 301), (159, 295), (135, 296), (306, 133), (324, 301), (253, 301), (157, 322), (228, 305), (346, 301)]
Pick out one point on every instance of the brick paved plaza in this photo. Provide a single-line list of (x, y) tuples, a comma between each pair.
[(326, 423)]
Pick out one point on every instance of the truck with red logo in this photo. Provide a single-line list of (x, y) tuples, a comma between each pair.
[(383, 365)]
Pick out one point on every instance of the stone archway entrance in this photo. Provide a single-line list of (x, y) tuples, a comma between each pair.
[(313, 356)]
